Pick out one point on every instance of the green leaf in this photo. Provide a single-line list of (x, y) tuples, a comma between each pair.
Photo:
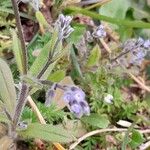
[(7, 88), (94, 56), (18, 52), (41, 19), (43, 56), (136, 139), (47, 132), (77, 34), (57, 76), (115, 9), (100, 121), (75, 63)]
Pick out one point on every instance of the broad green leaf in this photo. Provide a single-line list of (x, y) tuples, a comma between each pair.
[(6, 143), (47, 132), (41, 19), (43, 56), (96, 120), (136, 139), (94, 56), (3, 118), (75, 126), (17, 52), (57, 76), (77, 34), (7, 88), (115, 9)]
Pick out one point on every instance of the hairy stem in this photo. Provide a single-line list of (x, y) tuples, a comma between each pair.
[(49, 61), (120, 22), (21, 36), (21, 103)]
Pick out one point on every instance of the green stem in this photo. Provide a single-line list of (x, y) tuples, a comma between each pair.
[(120, 22)]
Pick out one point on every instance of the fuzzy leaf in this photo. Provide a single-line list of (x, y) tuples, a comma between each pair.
[(57, 76), (75, 36), (47, 133), (7, 88), (77, 69), (136, 139), (94, 56), (17, 52), (43, 56), (41, 19), (96, 120)]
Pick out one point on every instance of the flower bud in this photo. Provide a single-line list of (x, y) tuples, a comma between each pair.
[(99, 32), (108, 99), (63, 25)]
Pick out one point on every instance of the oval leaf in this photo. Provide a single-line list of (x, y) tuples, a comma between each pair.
[(94, 56), (41, 19), (96, 120), (57, 76), (7, 88), (47, 133)]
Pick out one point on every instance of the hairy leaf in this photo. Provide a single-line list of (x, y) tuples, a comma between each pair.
[(18, 52), (43, 56), (7, 88), (41, 19), (94, 56), (47, 133), (57, 76), (96, 120), (77, 34), (77, 69)]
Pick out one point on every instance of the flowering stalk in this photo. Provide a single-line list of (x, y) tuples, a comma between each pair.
[(62, 25), (49, 61)]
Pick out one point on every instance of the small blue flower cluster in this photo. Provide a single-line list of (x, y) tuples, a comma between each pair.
[(137, 49), (75, 99), (63, 25)]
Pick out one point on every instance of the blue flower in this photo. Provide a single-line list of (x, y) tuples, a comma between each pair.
[(75, 99), (99, 32), (63, 25)]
